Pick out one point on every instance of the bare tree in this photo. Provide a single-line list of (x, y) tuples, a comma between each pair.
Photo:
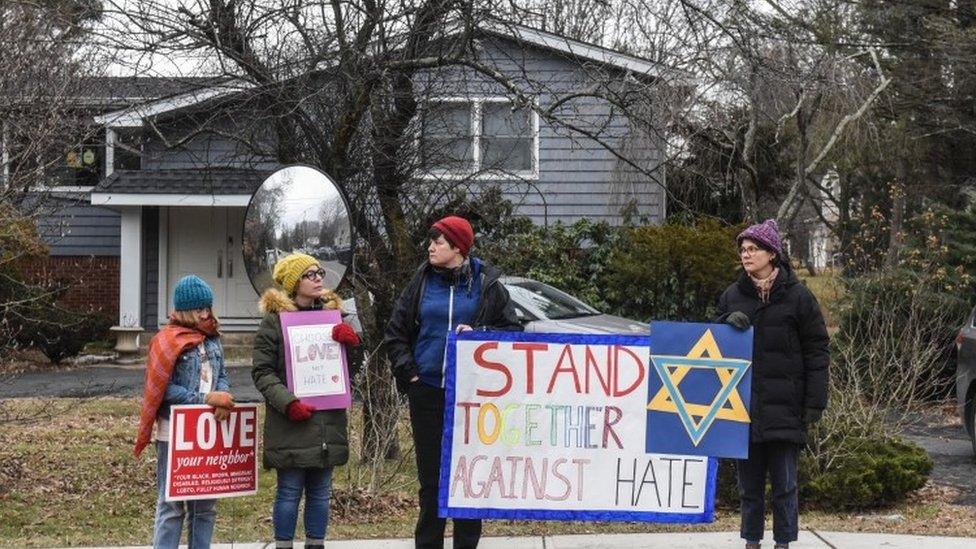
[(785, 78), (344, 85), (41, 79)]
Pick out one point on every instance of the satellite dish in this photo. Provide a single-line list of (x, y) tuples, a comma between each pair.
[(297, 209)]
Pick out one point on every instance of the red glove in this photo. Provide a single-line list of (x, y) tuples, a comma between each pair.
[(343, 333), (299, 411)]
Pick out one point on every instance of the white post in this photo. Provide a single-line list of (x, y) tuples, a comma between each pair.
[(130, 281), (163, 295), (109, 151), (4, 155)]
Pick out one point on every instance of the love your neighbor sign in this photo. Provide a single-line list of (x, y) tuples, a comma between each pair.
[(212, 459)]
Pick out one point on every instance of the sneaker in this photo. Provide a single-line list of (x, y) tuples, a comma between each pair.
[(782, 546), (751, 545)]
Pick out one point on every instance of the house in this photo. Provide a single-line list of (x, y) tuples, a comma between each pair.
[(84, 239), (823, 246), (180, 209)]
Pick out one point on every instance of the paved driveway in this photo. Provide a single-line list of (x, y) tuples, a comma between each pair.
[(952, 454), (96, 381)]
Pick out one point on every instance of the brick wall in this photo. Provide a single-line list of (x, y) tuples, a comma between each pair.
[(94, 281)]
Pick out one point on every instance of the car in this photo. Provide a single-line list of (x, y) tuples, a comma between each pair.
[(543, 308), (539, 308), (966, 376)]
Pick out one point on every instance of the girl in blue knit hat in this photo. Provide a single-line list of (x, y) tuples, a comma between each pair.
[(185, 366)]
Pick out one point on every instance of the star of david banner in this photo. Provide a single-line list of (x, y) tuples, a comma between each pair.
[(699, 390), (554, 426)]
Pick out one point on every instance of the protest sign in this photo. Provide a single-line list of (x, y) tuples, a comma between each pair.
[(315, 364), (553, 426), (210, 459), (699, 390)]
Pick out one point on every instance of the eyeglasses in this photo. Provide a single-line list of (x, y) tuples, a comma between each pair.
[(749, 250), (309, 275)]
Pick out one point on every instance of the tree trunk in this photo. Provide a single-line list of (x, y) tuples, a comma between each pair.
[(896, 231), (381, 404)]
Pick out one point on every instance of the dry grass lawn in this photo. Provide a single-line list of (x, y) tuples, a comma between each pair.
[(68, 478)]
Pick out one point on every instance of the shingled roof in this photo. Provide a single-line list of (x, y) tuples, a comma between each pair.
[(141, 88), (212, 181)]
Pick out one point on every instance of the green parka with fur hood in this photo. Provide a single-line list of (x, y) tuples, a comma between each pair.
[(321, 441)]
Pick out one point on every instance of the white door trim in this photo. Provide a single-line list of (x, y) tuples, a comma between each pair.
[(162, 299)]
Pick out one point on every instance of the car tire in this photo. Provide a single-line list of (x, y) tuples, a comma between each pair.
[(972, 423)]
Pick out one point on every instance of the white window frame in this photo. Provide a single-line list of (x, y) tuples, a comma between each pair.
[(74, 189), (476, 172)]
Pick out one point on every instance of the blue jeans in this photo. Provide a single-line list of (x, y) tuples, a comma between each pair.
[(317, 485), (201, 514), (779, 460)]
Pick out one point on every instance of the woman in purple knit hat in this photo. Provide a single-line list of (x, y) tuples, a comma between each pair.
[(789, 378)]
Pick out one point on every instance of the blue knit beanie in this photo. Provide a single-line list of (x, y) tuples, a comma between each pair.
[(192, 292)]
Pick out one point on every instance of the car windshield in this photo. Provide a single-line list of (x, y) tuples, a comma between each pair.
[(552, 303)]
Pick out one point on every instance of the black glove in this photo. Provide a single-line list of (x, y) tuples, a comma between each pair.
[(738, 320), (812, 415), (403, 375)]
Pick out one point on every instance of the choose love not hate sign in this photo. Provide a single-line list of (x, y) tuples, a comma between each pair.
[(316, 368)]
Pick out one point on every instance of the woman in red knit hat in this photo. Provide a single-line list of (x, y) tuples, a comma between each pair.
[(451, 291)]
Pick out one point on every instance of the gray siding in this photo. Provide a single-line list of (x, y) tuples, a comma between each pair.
[(74, 227), (203, 149), (578, 176), (150, 269)]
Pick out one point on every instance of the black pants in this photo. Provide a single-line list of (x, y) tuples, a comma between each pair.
[(427, 423), (779, 460)]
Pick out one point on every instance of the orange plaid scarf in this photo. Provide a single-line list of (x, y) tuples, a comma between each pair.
[(164, 349)]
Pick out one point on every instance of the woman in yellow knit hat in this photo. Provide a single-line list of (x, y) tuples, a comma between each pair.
[(302, 444)]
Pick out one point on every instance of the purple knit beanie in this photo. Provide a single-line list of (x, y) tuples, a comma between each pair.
[(765, 234)]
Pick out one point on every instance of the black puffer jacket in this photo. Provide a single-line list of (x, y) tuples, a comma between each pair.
[(495, 312), (790, 355)]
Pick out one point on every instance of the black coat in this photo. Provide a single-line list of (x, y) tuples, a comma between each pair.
[(495, 312), (790, 355)]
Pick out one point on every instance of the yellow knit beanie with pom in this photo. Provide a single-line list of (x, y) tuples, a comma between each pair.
[(288, 270)]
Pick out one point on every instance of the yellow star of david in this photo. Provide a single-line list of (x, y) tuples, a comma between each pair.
[(699, 414)]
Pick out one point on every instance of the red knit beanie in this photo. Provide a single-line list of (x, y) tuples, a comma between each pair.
[(457, 231)]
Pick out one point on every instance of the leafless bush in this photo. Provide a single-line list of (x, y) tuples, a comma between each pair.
[(889, 360)]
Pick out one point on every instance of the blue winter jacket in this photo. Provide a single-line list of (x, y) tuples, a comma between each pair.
[(444, 305)]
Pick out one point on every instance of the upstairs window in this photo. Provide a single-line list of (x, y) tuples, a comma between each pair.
[(448, 136), (507, 137), (82, 165), (463, 137), (128, 149)]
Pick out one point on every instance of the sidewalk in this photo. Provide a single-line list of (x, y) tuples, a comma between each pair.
[(685, 540)]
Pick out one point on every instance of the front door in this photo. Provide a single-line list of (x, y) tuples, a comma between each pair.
[(240, 298), (206, 242)]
